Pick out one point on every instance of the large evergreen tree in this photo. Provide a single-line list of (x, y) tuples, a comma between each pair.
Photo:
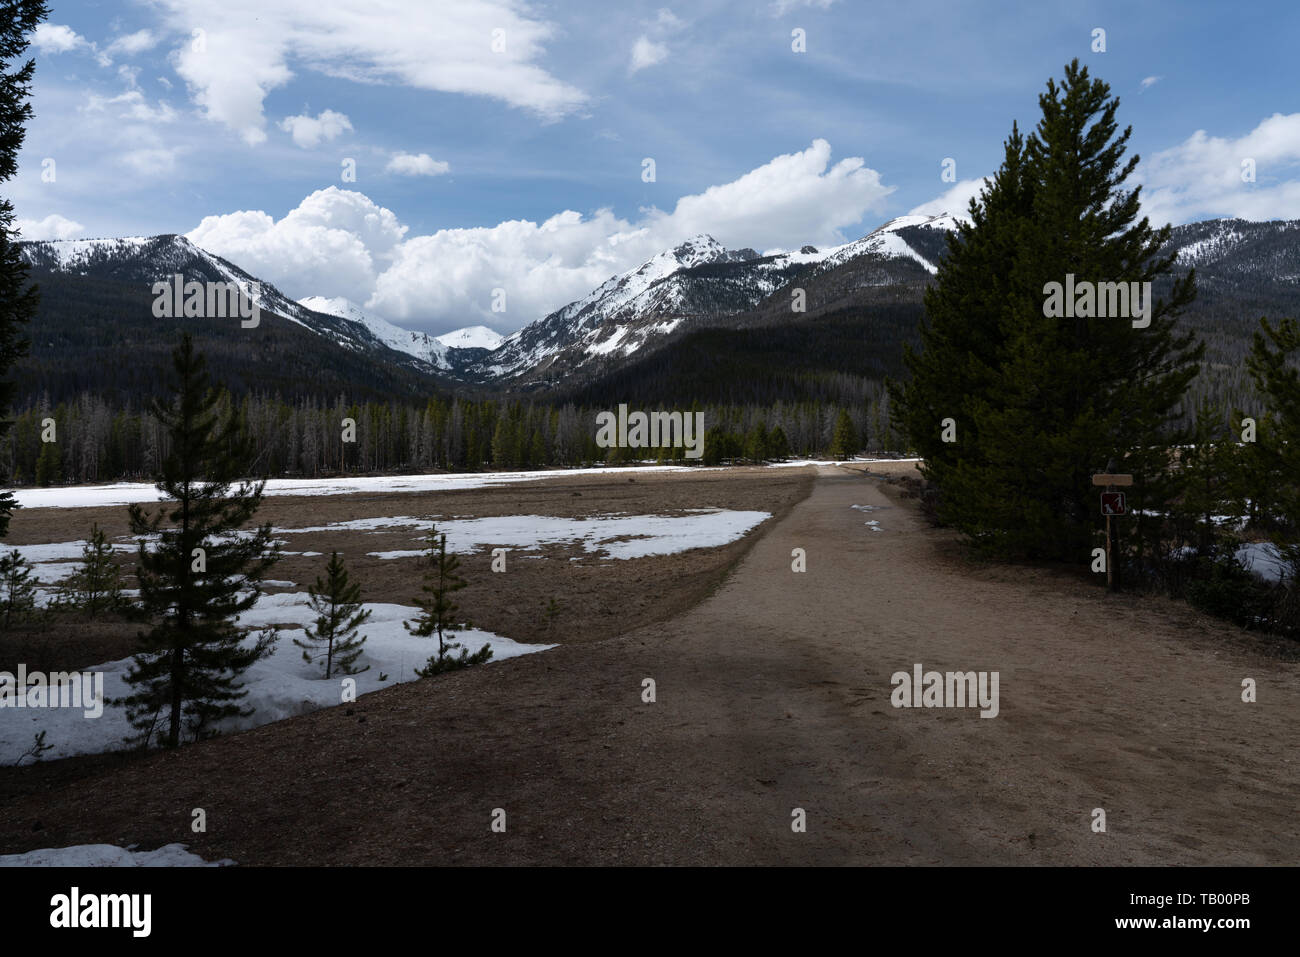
[(1041, 403), (18, 299), (203, 570), (962, 334)]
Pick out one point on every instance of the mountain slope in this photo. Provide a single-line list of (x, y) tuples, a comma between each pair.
[(697, 283), (472, 337), (95, 329), (418, 344)]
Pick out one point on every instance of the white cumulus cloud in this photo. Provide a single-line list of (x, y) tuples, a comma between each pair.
[(1202, 177), (417, 164), (333, 244), (954, 201), (483, 47), (57, 38), (308, 132), (340, 243), (52, 226)]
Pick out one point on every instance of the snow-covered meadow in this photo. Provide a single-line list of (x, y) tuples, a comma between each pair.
[(280, 686), (283, 685), (124, 493)]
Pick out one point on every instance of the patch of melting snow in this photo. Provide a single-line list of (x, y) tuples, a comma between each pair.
[(874, 525), (280, 686), (109, 855), (613, 536)]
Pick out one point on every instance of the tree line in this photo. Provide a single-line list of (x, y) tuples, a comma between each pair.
[(92, 440)]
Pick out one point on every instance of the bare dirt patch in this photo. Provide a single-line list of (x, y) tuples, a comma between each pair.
[(597, 596)]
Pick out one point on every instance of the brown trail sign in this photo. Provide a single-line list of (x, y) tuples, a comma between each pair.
[(1112, 503)]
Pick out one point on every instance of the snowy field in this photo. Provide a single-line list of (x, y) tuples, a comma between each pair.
[(280, 686), (607, 536), (283, 685), (610, 536), (124, 493)]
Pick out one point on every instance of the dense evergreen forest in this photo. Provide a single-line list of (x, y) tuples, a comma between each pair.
[(93, 440)]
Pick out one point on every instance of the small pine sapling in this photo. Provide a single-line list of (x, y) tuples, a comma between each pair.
[(337, 603)]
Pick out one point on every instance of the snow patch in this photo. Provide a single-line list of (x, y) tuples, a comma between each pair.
[(108, 855)]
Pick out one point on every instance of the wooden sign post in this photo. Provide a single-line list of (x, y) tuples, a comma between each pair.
[(1112, 503)]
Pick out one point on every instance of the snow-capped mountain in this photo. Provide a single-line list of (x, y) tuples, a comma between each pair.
[(697, 279), (148, 259), (699, 284), (1239, 249), (472, 337), (421, 345)]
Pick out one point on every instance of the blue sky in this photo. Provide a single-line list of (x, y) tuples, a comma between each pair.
[(520, 167)]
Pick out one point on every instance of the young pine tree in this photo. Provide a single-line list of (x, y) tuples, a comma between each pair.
[(437, 610), (95, 586), (17, 589), (203, 571), (18, 298), (845, 441), (337, 603)]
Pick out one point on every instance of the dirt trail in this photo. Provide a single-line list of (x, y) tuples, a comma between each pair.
[(773, 694), (778, 689)]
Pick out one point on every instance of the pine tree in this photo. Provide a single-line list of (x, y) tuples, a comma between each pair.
[(845, 441), (778, 447), (337, 603), (962, 335), (1049, 401), (95, 586), (49, 465), (1273, 361), (203, 571), (504, 441), (18, 299), (437, 610), (756, 443), (1207, 469), (17, 589)]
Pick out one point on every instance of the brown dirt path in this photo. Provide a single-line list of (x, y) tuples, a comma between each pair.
[(779, 688), (773, 693)]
